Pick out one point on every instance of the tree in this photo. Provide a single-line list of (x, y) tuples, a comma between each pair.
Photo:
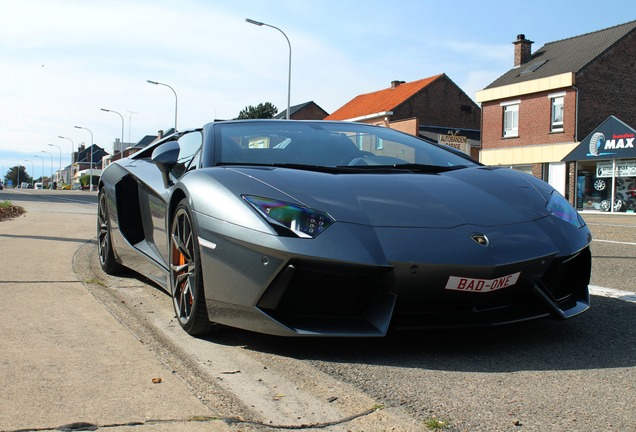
[(85, 179), (263, 110), (17, 175)]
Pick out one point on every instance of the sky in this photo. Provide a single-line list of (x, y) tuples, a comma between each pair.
[(62, 61)]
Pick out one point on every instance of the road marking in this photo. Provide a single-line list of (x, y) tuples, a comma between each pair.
[(615, 242), (613, 293), (73, 200)]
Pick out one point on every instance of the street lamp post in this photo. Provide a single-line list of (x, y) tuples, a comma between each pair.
[(42, 175), (176, 100), (259, 23), (58, 147), (90, 172), (32, 169), (70, 167), (122, 128), (50, 178)]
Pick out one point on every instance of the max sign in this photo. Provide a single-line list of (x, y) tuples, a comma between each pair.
[(612, 139), (599, 145)]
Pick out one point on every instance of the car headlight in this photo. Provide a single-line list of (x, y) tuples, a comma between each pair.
[(561, 208), (302, 221)]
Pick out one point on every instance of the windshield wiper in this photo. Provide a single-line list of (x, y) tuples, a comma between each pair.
[(304, 167), (414, 168), (352, 169)]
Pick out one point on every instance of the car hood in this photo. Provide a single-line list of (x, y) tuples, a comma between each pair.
[(477, 196)]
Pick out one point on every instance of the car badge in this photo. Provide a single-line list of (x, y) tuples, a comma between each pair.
[(480, 239)]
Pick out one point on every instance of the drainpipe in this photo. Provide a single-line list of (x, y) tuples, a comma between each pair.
[(576, 140), (576, 114)]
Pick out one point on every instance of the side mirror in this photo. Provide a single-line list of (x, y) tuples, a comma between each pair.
[(165, 157)]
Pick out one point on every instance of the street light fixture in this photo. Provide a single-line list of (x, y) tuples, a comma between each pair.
[(70, 169), (176, 100), (50, 178), (58, 147), (259, 23), (90, 170), (122, 129)]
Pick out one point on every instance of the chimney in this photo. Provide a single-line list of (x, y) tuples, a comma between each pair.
[(396, 83), (523, 48)]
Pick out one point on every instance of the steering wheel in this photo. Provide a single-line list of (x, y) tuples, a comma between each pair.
[(350, 157)]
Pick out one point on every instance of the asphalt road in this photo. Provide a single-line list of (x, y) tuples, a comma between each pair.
[(577, 375)]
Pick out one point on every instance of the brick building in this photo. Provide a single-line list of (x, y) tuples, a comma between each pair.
[(539, 111), (432, 108), (305, 111)]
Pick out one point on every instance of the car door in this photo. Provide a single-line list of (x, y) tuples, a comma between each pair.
[(155, 205)]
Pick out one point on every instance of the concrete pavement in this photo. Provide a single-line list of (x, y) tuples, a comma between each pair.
[(63, 358)]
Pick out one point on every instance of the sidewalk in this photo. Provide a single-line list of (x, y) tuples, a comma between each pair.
[(63, 357)]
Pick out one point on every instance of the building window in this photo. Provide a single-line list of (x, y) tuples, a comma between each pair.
[(523, 168), (556, 124), (511, 120)]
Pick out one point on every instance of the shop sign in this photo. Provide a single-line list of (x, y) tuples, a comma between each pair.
[(458, 142), (612, 139), (623, 169), (605, 146)]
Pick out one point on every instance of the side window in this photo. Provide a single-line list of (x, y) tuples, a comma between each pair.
[(189, 146), (510, 120), (556, 124)]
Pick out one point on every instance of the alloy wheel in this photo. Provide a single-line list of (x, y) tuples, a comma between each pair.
[(103, 234), (182, 266)]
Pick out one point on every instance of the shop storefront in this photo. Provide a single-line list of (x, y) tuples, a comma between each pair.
[(605, 173)]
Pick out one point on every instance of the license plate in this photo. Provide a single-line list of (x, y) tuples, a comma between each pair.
[(457, 283)]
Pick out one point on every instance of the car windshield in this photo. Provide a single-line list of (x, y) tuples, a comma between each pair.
[(327, 144)]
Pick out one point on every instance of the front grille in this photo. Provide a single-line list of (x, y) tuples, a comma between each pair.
[(567, 276), (315, 290)]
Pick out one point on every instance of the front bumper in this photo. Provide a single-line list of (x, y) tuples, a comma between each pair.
[(360, 281)]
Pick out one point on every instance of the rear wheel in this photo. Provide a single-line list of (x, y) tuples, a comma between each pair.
[(104, 243), (186, 280)]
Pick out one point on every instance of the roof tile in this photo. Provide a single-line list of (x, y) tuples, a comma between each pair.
[(567, 55), (380, 101)]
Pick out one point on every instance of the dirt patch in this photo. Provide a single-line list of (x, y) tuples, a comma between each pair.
[(11, 212)]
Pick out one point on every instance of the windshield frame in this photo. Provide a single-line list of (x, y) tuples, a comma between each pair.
[(277, 143)]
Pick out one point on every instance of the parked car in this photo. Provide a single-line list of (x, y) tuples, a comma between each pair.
[(39, 185), (307, 228)]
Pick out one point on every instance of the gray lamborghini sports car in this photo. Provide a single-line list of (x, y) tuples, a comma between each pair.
[(317, 228)]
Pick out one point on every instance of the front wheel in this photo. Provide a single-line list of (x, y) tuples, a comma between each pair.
[(186, 280), (104, 242)]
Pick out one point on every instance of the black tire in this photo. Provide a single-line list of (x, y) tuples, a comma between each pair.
[(186, 280), (104, 243), (620, 205), (605, 205)]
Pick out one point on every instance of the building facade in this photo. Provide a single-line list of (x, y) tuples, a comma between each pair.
[(428, 108), (305, 111), (538, 113)]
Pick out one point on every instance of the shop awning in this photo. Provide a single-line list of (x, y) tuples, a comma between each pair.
[(612, 139)]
